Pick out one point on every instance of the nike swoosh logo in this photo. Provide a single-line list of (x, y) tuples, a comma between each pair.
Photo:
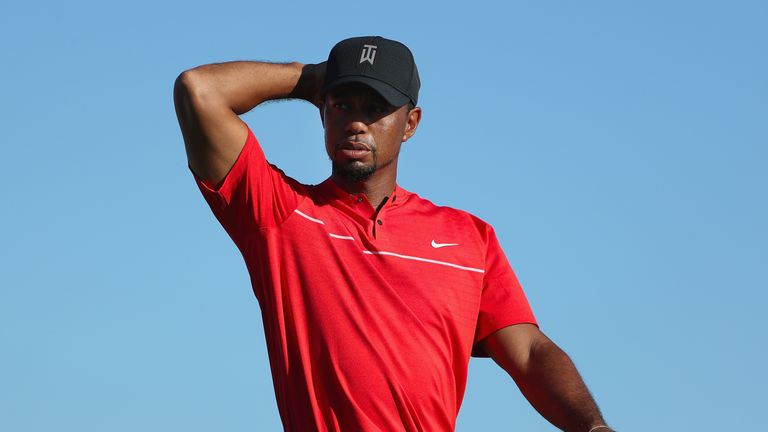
[(440, 245)]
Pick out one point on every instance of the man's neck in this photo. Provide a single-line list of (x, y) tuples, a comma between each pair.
[(375, 189)]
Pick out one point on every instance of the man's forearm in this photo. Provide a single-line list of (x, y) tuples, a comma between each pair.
[(242, 85), (210, 98), (554, 387)]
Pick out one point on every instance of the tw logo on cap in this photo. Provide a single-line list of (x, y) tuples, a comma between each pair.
[(368, 54)]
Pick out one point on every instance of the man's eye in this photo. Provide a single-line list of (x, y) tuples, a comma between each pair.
[(380, 109), (339, 105)]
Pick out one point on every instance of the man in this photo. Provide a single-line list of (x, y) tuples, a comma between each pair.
[(372, 298)]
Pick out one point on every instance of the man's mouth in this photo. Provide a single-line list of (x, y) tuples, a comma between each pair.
[(353, 149)]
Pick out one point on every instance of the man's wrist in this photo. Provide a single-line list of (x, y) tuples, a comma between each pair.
[(309, 83)]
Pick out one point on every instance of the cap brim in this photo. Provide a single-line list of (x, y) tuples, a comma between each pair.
[(389, 93)]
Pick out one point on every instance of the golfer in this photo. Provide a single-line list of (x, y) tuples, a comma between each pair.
[(373, 298)]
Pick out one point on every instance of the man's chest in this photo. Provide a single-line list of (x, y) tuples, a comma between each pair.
[(399, 259), (377, 303)]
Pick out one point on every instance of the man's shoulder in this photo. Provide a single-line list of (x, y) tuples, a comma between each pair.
[(446, 213)]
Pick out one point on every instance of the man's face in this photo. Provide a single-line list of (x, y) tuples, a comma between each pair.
[(363, 132)]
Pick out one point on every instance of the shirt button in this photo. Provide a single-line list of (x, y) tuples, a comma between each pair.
[(359, 199), (379, 222)]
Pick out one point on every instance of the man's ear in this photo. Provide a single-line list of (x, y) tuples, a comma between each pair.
[(411, 123)]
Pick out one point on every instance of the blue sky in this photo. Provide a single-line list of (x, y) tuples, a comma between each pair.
[(618, 148)]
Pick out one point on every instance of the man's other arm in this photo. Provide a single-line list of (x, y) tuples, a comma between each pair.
[(546, 376), (210, 98)]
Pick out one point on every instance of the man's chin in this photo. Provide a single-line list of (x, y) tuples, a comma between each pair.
[(355, 171)]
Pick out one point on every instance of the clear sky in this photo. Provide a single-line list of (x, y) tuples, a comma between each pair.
[(619, 148)]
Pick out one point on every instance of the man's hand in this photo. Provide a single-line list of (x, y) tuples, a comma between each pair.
[(546, 376), (309, 84)]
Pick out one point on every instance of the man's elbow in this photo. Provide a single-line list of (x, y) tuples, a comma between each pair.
[(193, 85)]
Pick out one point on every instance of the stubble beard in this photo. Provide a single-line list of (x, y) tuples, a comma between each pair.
[(356, 172)]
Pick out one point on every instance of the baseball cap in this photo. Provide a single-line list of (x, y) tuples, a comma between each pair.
[(385, 65)]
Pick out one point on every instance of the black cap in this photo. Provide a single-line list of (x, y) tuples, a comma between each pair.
[(385, 65)]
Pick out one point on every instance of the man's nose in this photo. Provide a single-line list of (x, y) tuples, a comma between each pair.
[(357, 126)]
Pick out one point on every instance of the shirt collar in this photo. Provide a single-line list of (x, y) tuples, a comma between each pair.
[(334, 192)]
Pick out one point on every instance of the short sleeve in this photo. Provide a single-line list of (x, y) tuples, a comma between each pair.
[(253, 195), (503, 302)]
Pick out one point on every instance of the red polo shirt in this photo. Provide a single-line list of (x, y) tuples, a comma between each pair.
[(370, 319)]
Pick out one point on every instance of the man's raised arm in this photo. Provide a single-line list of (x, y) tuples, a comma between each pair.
[(210, 98)]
